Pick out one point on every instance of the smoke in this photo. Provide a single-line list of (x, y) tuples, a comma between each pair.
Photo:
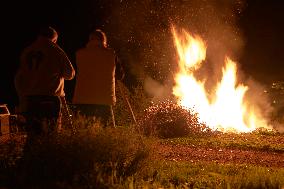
[(259, 102), (217, 23), (157, 90), (279, 126), (140, 30)]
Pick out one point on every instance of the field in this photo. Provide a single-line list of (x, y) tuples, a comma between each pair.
[(122, 158)]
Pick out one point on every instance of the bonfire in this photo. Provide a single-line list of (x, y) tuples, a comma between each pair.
[(225, 109)]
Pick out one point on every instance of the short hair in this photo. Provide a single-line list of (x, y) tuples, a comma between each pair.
[(48, 32), (99, 35)]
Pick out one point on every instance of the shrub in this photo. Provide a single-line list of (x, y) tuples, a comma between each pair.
[(167, 120), (88, 159)]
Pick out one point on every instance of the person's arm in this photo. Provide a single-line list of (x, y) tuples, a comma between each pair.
[(68, 71)]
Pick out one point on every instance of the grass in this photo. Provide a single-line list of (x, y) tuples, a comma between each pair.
[(212, 175), (94, 157), (121, 158)]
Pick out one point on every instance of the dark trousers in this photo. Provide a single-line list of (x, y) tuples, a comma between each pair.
[(41, 113)]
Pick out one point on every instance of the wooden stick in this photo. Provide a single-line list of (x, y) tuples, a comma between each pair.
[(66, 113), (127, 101)]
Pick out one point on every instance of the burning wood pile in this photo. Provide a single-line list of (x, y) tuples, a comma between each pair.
[(224, 109)]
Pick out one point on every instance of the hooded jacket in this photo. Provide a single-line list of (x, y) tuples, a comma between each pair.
[(43, 68)]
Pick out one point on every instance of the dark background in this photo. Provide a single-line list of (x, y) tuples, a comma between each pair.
[(249, 31)]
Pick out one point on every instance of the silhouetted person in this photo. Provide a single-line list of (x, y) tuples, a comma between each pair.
[(97, 69), (39, 82)]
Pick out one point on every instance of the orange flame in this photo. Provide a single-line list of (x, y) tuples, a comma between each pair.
[(227, 110)]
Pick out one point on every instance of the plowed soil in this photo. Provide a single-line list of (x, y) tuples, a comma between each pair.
[(218, 155)]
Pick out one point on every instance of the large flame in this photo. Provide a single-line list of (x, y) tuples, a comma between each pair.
[(227, 110)]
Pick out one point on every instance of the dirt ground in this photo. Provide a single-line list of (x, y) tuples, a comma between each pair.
[(219, 155)]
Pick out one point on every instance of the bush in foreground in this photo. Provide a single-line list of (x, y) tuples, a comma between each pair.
[(88, 159)]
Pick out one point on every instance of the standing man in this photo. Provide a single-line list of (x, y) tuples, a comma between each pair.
[(39, 81), (98, 67)]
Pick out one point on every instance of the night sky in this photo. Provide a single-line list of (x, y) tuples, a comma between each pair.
[(251, 32)]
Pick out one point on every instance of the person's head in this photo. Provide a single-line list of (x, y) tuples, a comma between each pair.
[(100, 36), (49, 33)]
